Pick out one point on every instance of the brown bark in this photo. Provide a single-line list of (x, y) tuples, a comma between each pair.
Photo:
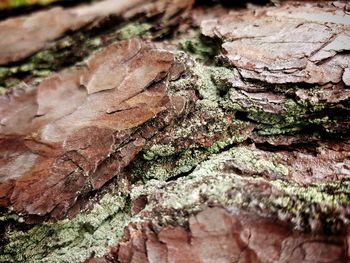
[(234, 143), (81, 127), (215, 235), (28, 34)]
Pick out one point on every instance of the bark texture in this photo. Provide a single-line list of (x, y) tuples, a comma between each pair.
[(209, 132), (81, 127), (215, 235)]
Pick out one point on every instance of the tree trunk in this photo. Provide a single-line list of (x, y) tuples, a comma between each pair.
[(175, 131)]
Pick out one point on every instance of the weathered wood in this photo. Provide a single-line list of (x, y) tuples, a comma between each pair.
[(221, 136), (81, 127)]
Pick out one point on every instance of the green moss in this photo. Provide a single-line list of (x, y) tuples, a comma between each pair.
[(70, 240), (132, 30), (7, 4), (202, 48)]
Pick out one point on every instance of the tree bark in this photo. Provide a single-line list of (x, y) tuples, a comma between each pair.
[(174, 131)]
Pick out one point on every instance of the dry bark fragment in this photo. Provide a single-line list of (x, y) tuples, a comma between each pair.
[(285, 46), (217, 235), (80, 127), (28, 34), (291, 66)]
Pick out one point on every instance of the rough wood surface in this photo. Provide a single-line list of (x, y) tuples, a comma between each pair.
[(78, 129), (28, 34), (174, 131)]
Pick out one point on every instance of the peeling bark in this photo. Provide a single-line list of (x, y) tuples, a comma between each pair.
[(27, 35), (223, 136), (79, 128), (217, 235)]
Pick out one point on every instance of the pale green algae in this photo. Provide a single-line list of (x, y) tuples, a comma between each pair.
[(70, 240), (132, 30), (208, 179), (168, 163), (291, 118), (159, 150), (212, 183)]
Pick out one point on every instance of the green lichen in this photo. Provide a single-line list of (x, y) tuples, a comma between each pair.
[(206, 181), (163, 168), (132, 30), (202, 48), (307, 207), (70, 240), (209, 81), (330, 195), (159, 150), (206, 118), (292, 117), (253, 161), (65, 52), (208, 121), (165, 161), (7, 4), (314, 207), (10, 216), (216, 181)]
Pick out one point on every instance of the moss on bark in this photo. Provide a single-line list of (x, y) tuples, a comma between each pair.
[(210, 153)]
